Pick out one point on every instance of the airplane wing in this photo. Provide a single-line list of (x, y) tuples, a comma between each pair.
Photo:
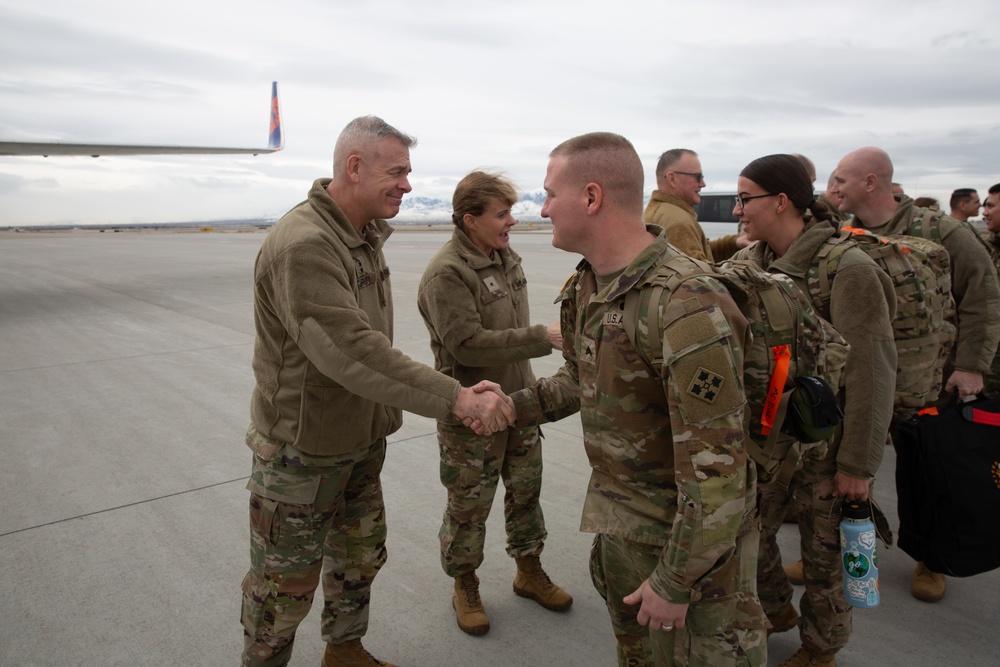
[(275, 142)]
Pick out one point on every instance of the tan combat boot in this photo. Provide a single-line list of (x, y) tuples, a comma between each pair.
[(927, 585), (806, 658), (532, 582), (795, 573), (469, 611), (350, 654), (784, 620)]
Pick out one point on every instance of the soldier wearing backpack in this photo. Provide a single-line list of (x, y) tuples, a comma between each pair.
[(863, 185), (672, 491), (775, 197)]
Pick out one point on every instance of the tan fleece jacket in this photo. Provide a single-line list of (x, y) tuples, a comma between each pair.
[(476, 310), (680, 222), (328, 378)]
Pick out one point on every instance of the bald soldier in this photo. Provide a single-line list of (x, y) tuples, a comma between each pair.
[(863, 184), (671, 497)]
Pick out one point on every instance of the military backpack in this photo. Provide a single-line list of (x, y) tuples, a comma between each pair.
[(792, 371), (923, 328)]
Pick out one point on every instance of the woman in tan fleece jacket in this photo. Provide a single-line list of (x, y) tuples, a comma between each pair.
[(474, 300)]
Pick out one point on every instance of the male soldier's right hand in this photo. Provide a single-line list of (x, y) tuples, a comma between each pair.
[(484, 408)]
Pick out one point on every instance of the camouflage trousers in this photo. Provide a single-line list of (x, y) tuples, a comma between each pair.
[(825, 626), (471, 467), (305, 519), (618, 567)]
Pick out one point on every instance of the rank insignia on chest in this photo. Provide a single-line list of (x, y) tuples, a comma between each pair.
[(614, 318), (705, 385)]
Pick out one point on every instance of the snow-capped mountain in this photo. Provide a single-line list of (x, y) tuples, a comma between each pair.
[(427, 209)]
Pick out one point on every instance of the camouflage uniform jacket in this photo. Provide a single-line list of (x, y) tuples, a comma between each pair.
[(328, 380), (668, 463), (856, 310), (476, 310), (680, 222), (974, 282)]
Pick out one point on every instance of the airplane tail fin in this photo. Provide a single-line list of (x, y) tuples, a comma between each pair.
[(276, 136)]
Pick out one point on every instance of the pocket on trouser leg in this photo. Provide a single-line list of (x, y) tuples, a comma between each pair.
[(596, 570), (463, 460), (257, 614), (729, 648)]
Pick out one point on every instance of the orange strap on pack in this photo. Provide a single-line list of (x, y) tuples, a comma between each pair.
[(782, 358), (933, 412)]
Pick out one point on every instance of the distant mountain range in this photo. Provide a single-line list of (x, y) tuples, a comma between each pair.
[(426, 209)]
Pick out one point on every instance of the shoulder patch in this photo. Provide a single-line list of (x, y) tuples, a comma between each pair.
[(705, 385)]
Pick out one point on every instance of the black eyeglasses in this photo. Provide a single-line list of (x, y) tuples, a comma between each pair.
[(741, 201), (696, 175)]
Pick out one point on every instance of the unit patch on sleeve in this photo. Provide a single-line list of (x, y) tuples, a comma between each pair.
[(705, 385)]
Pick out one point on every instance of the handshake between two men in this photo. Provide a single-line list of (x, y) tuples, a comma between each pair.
[(485, 408)]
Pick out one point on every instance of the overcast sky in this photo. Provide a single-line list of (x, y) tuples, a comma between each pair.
[(495, 84)]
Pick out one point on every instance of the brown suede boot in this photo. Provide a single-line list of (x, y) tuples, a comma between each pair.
[(806, 658), (350, 654), (532, 582), (784, 620), (795, 573), (469, 611), (927, 585)]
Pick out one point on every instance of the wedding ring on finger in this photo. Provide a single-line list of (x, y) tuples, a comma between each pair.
[(666, 628)]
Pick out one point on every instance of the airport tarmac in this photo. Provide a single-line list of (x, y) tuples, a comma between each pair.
[(125, 382)]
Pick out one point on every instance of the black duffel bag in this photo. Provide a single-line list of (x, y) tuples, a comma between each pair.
[(948, 484)]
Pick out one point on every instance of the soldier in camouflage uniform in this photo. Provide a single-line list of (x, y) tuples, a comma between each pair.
[(672, 491), (991, 215), (473, 298), (862, 184), (329, 388), (775, 196)]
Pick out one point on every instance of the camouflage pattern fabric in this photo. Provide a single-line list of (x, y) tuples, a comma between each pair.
[(826, 621), (923, 328), (669, 466), (301, 525), (471, 468), (974, 282), (616, 567), (780, 315)]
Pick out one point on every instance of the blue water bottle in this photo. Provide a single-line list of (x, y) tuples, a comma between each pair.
[(857, 549)]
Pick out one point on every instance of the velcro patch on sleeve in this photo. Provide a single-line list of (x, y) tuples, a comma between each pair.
[(702, 368)]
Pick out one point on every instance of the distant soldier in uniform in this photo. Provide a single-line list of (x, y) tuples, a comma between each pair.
[(862, 184), (672, 491), (473, 298), (679, 180), (329, 388), (964, 204), (991, 215)]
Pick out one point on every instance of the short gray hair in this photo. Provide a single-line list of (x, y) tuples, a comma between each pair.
[(360, 134)]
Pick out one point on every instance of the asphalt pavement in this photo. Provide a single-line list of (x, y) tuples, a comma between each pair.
[(124, 393)]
